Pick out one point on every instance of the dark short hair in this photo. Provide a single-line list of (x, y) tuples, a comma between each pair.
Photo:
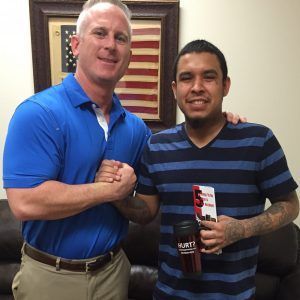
[(199, 46)]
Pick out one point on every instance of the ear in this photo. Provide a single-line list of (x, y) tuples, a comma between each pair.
[(226, 87), (129, 58), (174, 89), (75, 40)]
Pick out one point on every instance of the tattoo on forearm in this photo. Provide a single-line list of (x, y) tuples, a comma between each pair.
[(136, 210), (277, 215), (234, 231)]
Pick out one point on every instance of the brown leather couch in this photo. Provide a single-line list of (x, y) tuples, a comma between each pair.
[(278, 271)]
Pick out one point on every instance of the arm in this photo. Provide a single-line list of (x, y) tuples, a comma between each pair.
[(34, 153), (140, 209), (229, 230), (280, 213), (55, 200)]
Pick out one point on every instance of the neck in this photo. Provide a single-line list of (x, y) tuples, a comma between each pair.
[(201, 132), (100, 93)]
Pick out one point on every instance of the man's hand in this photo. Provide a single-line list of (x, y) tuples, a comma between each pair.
[(234, 118), (220, 234), (109, 171), (121, 175)]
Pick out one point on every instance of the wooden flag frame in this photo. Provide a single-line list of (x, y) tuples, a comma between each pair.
[(46, 61)]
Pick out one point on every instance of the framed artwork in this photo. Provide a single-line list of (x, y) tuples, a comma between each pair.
[(145, 89)]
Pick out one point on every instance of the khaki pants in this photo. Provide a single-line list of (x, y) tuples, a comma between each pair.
[(38, 281)]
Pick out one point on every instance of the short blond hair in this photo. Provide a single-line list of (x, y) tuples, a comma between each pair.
[(88, 5)]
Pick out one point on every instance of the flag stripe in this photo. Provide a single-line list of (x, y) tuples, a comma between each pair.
[(139, 109), (141, 65), (136, 91), (149, 72), (135, 84), (146, 116), (138, 97), (139, 78), (131, 103), (145, 44), (145, 58), (144, 51), (145, 31)]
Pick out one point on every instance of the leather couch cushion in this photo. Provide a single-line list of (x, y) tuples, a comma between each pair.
[(142, 243), (10, 235), (141, 247), (7, 297), (7, 274), (278, 251), (266, 286)]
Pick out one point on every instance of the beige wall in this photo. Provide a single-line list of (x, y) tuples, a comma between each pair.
[(260, 39), (16, 79)]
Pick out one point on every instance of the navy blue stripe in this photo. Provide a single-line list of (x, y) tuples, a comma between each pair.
[(201, 164), (285, 176), (228, 211), (241, 126), (226, 256), (272, 158), (145, 181), (228, 278), (176, 209), (208, 296), (253, 142), (221, 188), (170, 146)]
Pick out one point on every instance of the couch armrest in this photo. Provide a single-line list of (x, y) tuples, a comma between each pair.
[(142, 282), (290, 286), (278, 253)]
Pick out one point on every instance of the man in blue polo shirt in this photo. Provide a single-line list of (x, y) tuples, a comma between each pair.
[(55, 143)]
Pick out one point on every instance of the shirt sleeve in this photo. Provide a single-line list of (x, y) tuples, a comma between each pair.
[(33, 148), (146, 185), (274, 176)]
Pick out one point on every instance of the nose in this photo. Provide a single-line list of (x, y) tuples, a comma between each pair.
[(110, 42), (197, 85)]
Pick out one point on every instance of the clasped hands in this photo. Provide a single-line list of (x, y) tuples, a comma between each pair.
[(120, 174)]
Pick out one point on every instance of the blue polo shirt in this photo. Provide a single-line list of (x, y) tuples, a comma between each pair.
[(55, 135)]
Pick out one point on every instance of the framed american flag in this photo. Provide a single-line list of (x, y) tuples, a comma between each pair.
[(145, 89)]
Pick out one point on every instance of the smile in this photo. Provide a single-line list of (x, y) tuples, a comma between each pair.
[(198, 101), (108, 60)]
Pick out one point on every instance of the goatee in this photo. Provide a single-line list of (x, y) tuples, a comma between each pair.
[(195, 123)]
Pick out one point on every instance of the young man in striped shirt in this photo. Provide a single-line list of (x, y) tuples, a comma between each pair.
[(244, 164)]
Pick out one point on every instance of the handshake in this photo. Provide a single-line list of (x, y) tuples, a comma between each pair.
[(120, 175)]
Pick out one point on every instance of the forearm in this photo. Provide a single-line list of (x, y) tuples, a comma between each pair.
[(55, 200), (137, 210), (277, 215), (229, 230)]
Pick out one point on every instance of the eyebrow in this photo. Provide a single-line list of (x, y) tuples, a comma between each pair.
[(210, 71), (206, 72), (106, 29), (99, 28)]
